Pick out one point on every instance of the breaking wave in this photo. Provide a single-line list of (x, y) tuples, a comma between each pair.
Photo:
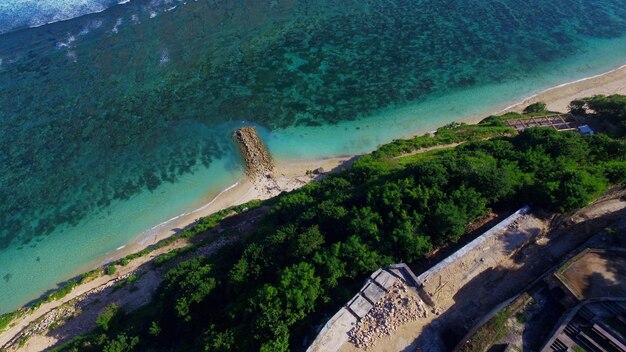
[(17, 14)]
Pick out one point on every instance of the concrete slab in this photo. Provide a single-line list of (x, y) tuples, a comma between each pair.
[(334, 334), (385, 279), (373, 292), (360, 306)]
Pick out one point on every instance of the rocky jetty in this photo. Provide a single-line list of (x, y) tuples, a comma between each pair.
[(258, 160)]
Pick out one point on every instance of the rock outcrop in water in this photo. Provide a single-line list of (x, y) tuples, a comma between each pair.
[(258, 160)]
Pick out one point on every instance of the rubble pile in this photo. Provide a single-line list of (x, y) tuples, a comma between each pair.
[(516, 223), (396, 308)]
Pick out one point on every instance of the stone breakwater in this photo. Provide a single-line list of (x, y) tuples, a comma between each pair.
[(259, 162)]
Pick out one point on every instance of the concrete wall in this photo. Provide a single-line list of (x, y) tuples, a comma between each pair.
[(421, 280)]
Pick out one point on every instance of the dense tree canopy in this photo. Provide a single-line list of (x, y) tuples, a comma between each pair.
[(316, 244)]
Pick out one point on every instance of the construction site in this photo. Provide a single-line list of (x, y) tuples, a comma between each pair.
[(450, 306)]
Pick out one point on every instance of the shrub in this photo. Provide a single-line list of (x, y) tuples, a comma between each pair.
[(107, 316), (535, 108)]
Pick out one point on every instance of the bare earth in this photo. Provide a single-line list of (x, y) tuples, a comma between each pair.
[(597, 275), (451, 285)]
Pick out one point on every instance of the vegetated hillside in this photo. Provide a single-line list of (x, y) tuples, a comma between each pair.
[(316, 245)]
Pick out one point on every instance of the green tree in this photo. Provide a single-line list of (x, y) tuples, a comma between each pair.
[(360, 258), (301, 288), (448, 222), (223, 341), (155, 329), (188, 283), (121, 343), (330, 266), (307, 242), (366, 222), (573, 189)]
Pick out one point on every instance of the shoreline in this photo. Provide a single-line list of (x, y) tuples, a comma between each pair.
[(557, 98), (292, 173), (289, 175)]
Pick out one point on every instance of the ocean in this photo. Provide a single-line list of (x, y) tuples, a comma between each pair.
[(116, 116)]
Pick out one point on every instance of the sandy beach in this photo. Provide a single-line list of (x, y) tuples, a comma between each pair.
[(559, 97), (292, 174), (289, 176)]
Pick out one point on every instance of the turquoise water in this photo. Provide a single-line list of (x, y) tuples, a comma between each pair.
[(117, 121)]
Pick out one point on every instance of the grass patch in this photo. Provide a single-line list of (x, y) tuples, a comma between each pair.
[(489, 333), (495, 329), (449, 134), (127, 281), (7, 318), (407, 160)]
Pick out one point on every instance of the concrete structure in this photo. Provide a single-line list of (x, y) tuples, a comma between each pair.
[(335, 332), (597, 279), (559, 122), (423, 278)]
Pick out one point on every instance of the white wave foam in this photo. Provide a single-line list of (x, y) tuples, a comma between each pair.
[(34, 13), (67, 43), (72, 56), (153, 231)]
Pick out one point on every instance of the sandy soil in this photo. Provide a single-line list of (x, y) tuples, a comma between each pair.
[(81, 292), (457, 285), (500, 269)]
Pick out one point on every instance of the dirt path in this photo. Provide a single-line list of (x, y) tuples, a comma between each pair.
[(499, 283), (78, 294), (424, 150), (58, 321)]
